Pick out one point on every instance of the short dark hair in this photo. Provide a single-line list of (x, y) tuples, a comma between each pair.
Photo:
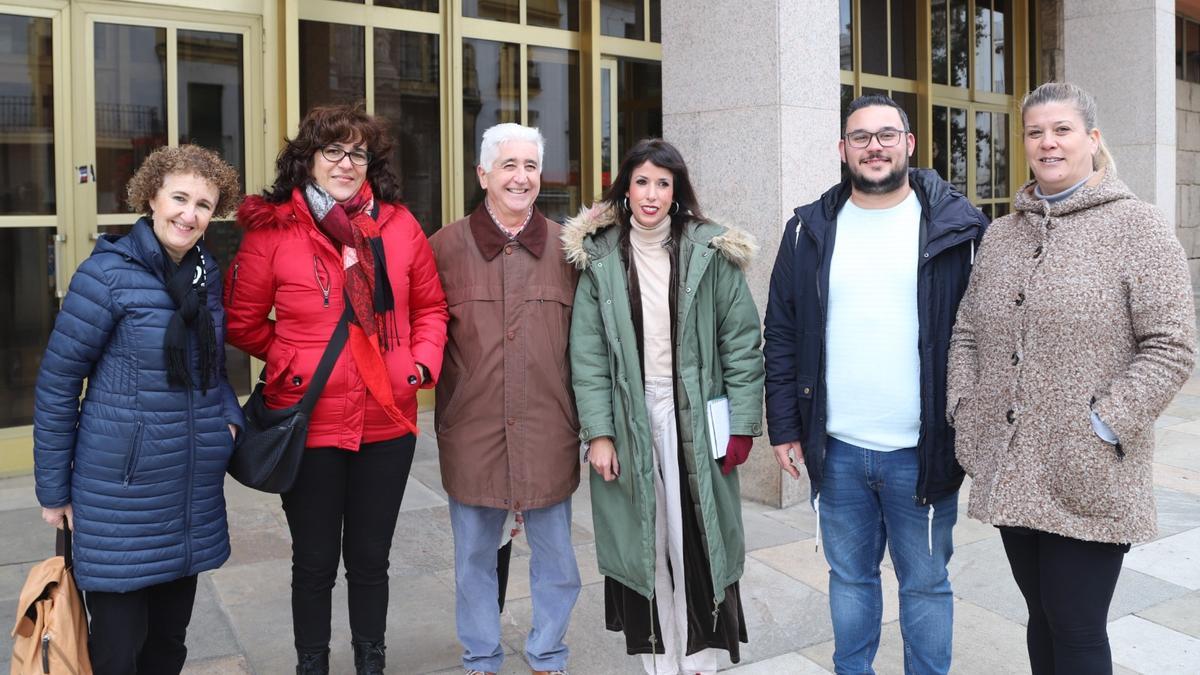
[(184, 160), (868, 100), (322, 126)]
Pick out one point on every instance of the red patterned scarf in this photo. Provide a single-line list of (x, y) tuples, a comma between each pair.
[(373, 327)]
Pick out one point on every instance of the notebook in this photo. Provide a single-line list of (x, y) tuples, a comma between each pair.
[(717, 413)]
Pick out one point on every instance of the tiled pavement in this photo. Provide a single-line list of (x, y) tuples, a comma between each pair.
[(242, 623)]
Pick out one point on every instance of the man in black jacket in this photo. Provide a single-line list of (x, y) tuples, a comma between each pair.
[(856, 341)]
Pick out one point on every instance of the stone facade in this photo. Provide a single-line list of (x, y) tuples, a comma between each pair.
[(1187, 173)]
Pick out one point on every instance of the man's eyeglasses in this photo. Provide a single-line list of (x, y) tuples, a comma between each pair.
[(335, 154), (887, 138)]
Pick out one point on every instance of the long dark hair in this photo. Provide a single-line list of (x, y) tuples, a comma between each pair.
[(322, 126), (665, 156)]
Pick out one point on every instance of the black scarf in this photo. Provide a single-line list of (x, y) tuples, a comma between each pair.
[(187, 284)]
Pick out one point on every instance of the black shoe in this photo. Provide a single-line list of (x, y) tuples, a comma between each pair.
[(368, 657), (312, 663)]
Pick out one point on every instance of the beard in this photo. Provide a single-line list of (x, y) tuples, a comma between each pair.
[(889, 183)]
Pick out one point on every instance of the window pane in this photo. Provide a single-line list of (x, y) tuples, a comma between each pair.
[(26, 263), (623, 18), (221, 239), (606, 128), (958, 149), (407, 77), (983, 155), (908, 102), (211, 111), (131, 106), (332, 64), (1000, 210), (1002, 62), (847, 96), (491, 95), (873, 32), (983, 46), (553, 86), (846, 29), (904, 39), (553, 13), (939, 42), (26, 116), (959, 32), (1032, 24), (420, 5), (639, 103), (655, 21), (496, 10), (1193, 51), (1179, 48), (1000, 152), (941, 142)]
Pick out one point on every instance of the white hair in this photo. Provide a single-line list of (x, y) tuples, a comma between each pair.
[(500, 134)]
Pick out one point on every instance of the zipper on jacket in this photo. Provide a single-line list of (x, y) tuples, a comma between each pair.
[(187, 508), (323, 285), (233, 280), (134, 450), (46, 652)]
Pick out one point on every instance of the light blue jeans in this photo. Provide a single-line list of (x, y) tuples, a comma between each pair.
[(553, 581), (866, 501)]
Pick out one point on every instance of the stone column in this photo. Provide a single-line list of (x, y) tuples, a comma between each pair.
[(1122, 51), (751, 99)]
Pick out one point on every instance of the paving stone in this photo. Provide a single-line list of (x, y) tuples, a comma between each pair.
[(1181, 614), (799, 517), (417, 496), (763, 532), (801, 562), (1175, 478), (781, 616), (1150, 648), (222, 665), (27, 538), (17, 493), (983, 643), (1177, 511), (1184, 406), (209, 633), (1175, 559), (791, 663), (8, 612), (1176, 447), (423, 543), (12, 578)]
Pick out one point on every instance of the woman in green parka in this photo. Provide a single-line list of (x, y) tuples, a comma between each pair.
[(663, 328)]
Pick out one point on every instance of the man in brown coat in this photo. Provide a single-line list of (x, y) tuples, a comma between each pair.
[(506, 424)]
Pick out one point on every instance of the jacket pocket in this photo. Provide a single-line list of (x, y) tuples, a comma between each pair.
[(1083, 471), (131, 459)]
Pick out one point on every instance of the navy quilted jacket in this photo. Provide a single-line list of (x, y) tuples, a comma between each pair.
[(142, 463)]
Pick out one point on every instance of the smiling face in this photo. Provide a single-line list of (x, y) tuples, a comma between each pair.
[(513, 182), (343, 178), (876, 169), (181, 210), (651, 191), (1058, 145)]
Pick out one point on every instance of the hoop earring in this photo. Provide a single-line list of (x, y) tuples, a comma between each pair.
[(627, 209), (674, 209)]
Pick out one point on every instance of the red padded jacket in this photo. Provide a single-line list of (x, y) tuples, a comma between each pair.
[(286, 263)]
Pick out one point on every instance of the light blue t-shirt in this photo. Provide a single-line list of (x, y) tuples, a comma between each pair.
[(872, 367)]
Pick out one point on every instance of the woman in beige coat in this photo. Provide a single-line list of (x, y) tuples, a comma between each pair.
[(1075, 332)]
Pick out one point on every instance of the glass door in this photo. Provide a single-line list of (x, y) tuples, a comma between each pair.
[(175, 78), (33, 210)]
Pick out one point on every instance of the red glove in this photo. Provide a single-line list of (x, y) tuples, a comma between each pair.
[(737, 452)]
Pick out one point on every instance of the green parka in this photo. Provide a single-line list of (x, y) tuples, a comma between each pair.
[(717, 354)]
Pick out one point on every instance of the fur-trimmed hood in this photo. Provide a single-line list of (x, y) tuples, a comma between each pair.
[(590, 235), (256, 213)]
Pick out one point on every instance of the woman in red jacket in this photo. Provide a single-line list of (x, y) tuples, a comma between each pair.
[(330, 233)]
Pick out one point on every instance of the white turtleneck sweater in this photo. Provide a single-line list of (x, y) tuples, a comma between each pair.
[(653, 263)]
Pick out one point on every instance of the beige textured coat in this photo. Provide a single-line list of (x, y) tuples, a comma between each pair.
[(1076, 306)]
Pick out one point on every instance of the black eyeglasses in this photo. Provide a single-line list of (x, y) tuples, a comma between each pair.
[(335, 153), (887, 138)]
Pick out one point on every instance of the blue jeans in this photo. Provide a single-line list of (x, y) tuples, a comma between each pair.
[(553, 580), (866, 500)]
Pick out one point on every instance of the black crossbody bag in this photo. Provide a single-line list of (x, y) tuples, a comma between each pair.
[(269, 450)]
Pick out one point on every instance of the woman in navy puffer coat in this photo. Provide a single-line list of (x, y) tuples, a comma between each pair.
[(137, 468)]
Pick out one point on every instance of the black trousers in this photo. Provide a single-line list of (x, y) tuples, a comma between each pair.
[(344, 506), (141, 631), (1068, 585)]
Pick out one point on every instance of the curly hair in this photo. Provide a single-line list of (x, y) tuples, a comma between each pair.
[(322, 126), (187, 160)]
